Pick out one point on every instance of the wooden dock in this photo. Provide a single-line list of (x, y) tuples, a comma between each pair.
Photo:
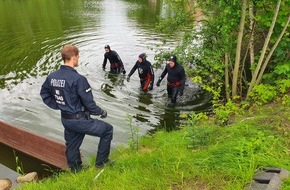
[(42, 148)]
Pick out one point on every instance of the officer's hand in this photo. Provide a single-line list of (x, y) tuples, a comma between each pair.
[(104, 114), (128, 79), (87, 115), (124, 72)]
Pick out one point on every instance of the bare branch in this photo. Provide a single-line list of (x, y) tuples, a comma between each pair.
[(257, 70), (238, 50), (272, 51)]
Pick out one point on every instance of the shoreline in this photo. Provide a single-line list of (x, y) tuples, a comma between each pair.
[(8, 173)]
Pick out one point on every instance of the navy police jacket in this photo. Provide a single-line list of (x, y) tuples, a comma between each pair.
[(68, 91), (144, 70)]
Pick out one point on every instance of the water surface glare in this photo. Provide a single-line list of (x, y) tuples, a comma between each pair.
[(31, 35)]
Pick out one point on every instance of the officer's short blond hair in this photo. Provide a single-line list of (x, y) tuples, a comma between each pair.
[(69, 51)]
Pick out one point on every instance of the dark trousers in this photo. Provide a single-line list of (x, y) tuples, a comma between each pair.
[(74, 133), (172, 92), (115, 70)]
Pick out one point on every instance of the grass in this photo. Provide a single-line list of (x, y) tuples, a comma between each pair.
[(199, 156)]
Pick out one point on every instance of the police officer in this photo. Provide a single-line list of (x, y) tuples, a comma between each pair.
[(116, 64), (175, 79), (68, 91), (145, 72)]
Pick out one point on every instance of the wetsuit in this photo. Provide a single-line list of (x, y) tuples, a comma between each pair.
[(116, 64), (68, 91), (175, 80), (146, 74)]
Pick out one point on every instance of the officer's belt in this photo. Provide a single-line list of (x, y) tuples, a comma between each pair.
[(73, 116)]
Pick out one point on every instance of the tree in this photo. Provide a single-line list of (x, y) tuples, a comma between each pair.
[(238, 49), (237, 44), (254, 80)]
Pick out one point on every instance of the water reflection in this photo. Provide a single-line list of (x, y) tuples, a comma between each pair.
[(107, 89), (144, 99), (32, 34), (143, 105), (169, 120), (145, 10), (39, 29), (115, 80)]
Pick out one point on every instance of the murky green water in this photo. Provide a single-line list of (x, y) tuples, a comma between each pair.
[(31, 34)]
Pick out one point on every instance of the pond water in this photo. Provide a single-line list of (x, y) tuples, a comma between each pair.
[(31, 35)]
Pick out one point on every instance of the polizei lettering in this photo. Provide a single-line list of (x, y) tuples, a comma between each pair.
[(58, 97), (57, 83)]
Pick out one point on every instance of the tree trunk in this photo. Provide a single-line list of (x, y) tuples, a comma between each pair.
[(252, 53), (227, 83), (243, 69), (271, 52), (238, 50), (256, 72)]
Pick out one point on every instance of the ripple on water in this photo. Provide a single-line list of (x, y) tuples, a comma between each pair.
[(31, 54)]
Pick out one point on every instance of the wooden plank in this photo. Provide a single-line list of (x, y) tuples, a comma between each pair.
[(42, 148)]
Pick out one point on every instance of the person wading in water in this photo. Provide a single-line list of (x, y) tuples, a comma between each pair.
[(175, 79), (145, 72), (116, 64)]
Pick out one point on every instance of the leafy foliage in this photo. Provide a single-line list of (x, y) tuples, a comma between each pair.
[(262, 94), (197, 136), (265, 93), (203, 47), (224, 112), (283, 86), (283, 70)]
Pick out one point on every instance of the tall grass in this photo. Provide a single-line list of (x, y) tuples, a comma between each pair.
[(199, 156), (19, 165), (134, 130)]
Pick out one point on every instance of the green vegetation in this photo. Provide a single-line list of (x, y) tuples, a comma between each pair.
[(241, 52), (134, 139), (19, 165), (238, 51), (202, 155), (236, 46)]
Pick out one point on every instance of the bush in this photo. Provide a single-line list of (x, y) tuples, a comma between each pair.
[(224, 112), (263, 94)]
